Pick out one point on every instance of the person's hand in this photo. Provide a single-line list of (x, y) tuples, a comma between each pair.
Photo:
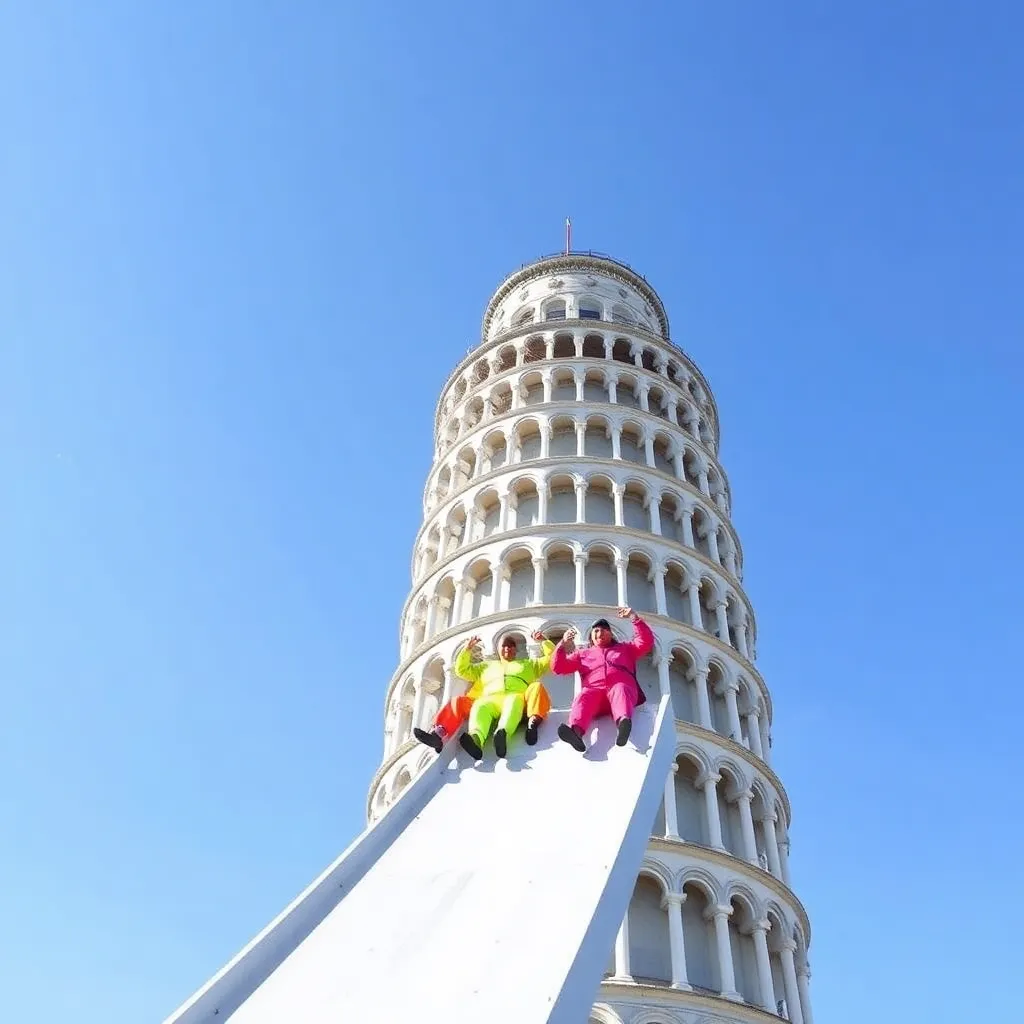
[(473, 641), (538, 636), (570, 635), (626, 613)]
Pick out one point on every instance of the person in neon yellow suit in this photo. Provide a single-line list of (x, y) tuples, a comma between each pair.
[(504, 687)]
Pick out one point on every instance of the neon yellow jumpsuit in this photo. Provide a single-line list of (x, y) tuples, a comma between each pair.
[(503, 689)]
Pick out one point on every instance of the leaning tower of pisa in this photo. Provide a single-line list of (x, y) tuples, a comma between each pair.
[(575, 469)]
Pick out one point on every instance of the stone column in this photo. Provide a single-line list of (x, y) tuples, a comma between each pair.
[(578, 379), (747, 826), (671, 813), (546, 377), (673, 903), (431, 618), (649, 450), (542, 511), (659, 590), (616, 442), (654, 508), (803, 978), (735, 729), (581, 438), (620, 577), (687, 517), (581, 501), (741, 639), (703, 700), (796, 1015), (730, 562), (501, 597), (771, 844), (764, 965), (417, 704), (664, 681), (713, 543), (709, 783), (613, 389), (725, 968), (622, 951), (504, 504), (754, 732), (645, 396), (721, 615), (693, 592), (545, 440), (702, 479), (580, 562), (539, 565), (617, 494), (784, 859)]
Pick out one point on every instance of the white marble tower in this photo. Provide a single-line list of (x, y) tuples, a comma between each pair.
[(575, 469)]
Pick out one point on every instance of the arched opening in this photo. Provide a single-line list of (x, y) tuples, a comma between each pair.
[(719, 708), (680, 673), (495, 451), (634, 514), (474, 412), (563, 437), (776, 937), (627, 391), (590, 309), (663, 449), (444, 482), (593, 346), (650, 958), (488, 509), (600, 577), (402, 783), (482, 588), (432, 682), (594, 387), (527, 503), (597, 440), (622, 351), (528, 440), (639, 587), (729, 812), (562, 499), (565, 346), (707, 600), (699, 940), (465, 466), (677, 597), (554, 310), (599, 504), (691, 815), (621, 315), (657, 401), (691, 474), (534, 350), (649, 360), (560, 688), (744, 958), (519, 565), (531, 388), (631, 444), (445, 595), (563, 385), (560, 576), (504, 359), (523, 317), (669, 512), (501, 398)]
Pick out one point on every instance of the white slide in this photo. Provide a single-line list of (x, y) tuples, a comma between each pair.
[(489, 894)]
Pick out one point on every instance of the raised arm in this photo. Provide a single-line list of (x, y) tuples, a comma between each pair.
[(643, 636), (563, 663), (539, 666), (464, 666)]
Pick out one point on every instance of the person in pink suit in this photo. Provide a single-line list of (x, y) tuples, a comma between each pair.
[(608, 676)]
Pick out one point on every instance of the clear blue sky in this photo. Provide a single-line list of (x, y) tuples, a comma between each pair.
[(243, 246)]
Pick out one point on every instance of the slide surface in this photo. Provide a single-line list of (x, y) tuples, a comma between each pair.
[(487, 894)]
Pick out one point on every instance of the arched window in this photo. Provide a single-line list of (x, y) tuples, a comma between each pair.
[(555, 310)]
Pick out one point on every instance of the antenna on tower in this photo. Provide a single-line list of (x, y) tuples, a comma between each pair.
[(568, 236)]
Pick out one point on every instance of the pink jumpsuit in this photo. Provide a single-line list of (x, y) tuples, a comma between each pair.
[(607, 676)]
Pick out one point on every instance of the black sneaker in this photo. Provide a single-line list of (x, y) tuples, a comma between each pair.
[(572, 737), (500, 743), (430, 738), (470, 746), (625, 727), (531, 730)]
